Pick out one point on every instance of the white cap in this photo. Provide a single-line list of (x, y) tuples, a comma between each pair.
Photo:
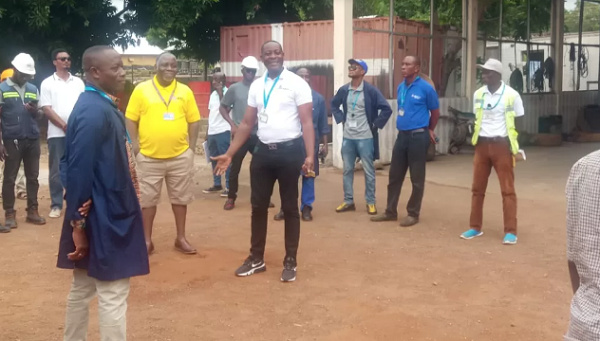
[(492, 65), (24, 64), (250, 63)]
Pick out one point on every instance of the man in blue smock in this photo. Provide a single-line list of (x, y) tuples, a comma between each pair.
[(107, 247), (418, 113), (321, 130)]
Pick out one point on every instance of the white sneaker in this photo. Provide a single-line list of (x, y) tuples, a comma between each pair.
[(55, 213)]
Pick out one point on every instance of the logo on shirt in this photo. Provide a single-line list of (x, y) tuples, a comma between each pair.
[(415, 96)]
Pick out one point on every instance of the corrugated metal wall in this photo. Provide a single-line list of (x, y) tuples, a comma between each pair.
[(387, 136), (445, 126), (536, 106), (572, 101)]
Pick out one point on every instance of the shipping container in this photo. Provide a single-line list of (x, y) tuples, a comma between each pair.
[(310, 44)]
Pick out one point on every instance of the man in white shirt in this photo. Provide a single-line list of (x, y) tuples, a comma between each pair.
[(496, 105), (59, 93), (219, 133), (281, 102)]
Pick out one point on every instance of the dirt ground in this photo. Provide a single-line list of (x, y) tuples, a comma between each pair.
[(357, 280)]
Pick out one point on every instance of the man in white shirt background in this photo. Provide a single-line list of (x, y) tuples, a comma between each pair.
[(59, 93), (281, 102), (219, 133)]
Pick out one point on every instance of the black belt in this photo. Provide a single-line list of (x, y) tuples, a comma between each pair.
[(420, 130), (493, 139), (280, 145)]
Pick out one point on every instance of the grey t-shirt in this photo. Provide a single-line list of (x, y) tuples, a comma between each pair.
[(357, 126), (237, 98)]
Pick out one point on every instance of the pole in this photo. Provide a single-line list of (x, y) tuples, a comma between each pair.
[(528, 64), (431, 28), (578, 53), (500, 32), (391, 51)]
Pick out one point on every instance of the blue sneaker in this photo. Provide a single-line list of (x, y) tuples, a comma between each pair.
[(470, 234), (509, 239)]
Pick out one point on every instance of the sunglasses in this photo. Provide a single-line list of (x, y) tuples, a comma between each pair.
[(64, 59), (352, 67), (249, 70)]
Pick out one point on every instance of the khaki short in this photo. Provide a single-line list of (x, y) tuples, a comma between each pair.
[(176, 172)]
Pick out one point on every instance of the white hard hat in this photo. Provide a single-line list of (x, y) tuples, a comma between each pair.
[(492, 65), (250, 63), (24, 64)]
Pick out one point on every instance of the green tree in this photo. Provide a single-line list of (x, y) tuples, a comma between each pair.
[(591, 18), (39, 26)]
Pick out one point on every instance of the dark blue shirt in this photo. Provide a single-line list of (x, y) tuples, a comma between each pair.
[(417, 101), (95, 166), (319, 123), (319, 117)]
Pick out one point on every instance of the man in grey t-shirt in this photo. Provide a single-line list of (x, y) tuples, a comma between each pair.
[(235, 102), (364, 111)]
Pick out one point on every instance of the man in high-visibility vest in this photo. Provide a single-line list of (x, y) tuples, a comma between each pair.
[(496, 106)]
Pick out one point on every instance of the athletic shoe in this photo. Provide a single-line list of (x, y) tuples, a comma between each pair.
[(213, 189), (371, 209), (225, 193), (55, 213), (229, 204), (251, 266), (470, 234), (509, 239), (289, 270), (345, 208)]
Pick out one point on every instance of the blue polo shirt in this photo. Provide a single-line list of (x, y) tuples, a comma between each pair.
[(417, 100)]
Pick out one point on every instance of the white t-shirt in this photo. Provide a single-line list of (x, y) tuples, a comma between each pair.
[(493, 123), (280, 121), (216, 122), (61, 96)]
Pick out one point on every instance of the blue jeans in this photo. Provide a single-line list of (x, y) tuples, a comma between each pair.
[(351, 149), (218, 145), (56, 150), (308, 192)]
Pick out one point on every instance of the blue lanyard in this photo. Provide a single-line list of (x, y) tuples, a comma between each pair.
[(499, 99), (406, 88), (103, 94), (355, 98), (265, 96)]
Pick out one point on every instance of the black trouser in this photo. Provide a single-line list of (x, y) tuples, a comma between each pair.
[(269, 165), (27, 150), (410, 153), (236, 165)]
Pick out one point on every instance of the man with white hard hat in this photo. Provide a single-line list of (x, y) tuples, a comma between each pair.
[(496, 105), (233, 108), (20, 138)]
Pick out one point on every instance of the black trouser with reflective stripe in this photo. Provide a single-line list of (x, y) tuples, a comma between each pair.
[(269, 165), (28, 151)]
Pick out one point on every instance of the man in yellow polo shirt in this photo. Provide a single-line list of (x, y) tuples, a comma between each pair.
[(163, 122)]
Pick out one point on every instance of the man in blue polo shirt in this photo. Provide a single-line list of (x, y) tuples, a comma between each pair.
[(418, 113)]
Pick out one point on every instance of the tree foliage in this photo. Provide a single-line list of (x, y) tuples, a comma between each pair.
[(39, 26), (591, 18)]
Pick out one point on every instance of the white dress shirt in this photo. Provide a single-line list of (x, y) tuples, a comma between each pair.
[(493, 123), (61, 95), (279, 121)]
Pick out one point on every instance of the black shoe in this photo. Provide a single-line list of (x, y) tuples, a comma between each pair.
[(279, 216), (213, 189), (306, 213), (4, 229), (251, 266), (289, 270)]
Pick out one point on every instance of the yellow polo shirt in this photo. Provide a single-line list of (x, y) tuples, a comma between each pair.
[(163, 130)]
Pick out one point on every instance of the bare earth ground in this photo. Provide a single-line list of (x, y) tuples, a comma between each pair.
[(357, 280)]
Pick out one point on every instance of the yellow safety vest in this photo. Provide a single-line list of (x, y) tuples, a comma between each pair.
[(509, 114)]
